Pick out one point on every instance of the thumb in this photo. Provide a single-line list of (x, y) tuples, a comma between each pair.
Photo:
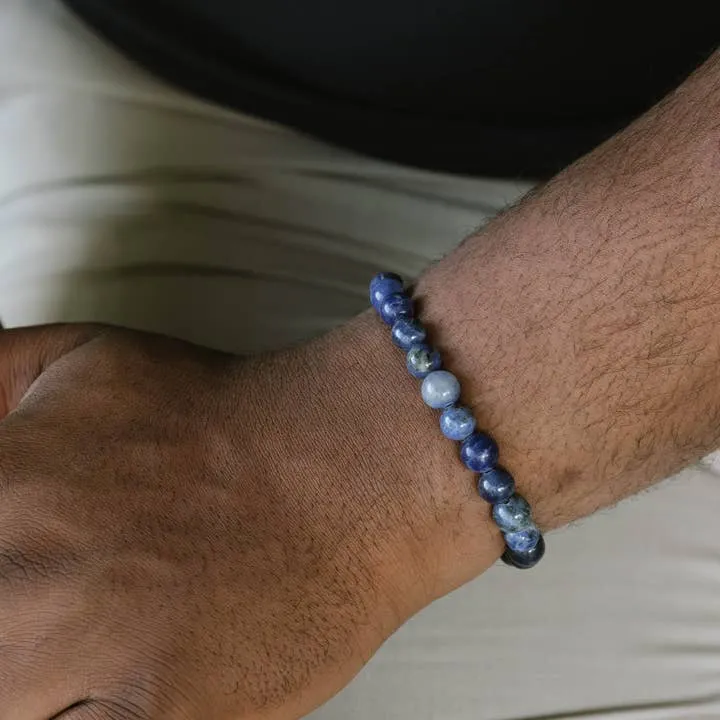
[(26, 353)]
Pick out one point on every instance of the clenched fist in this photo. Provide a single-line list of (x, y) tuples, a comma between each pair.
[(184, 534)]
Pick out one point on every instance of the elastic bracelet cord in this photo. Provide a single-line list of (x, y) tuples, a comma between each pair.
[(524, 543)]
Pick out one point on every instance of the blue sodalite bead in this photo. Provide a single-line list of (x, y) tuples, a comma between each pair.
[(524, 544), (479, 452), (522, 541), (396, 306), (406, 333), (440, 389), (513, 515), (382, 286), (457, 423), (527, 559), (496, 485), (422, 360)]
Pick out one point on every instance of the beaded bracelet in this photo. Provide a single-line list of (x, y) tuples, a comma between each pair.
[(524, 544)]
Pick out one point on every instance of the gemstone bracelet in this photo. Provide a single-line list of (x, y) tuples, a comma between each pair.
[(524, 544)]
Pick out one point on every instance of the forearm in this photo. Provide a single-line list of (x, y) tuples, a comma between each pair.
[(582, 325), (584, 322)]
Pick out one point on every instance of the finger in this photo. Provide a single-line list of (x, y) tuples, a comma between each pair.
[(26, 353)]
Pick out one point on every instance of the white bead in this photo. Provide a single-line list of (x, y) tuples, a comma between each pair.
[(440, 389)]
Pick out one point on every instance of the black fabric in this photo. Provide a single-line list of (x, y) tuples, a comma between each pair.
[(482, 87)]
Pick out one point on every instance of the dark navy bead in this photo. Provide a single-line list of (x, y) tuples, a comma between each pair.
[(522, 541), (496, 486), (382, 286), (513, 515), (457, 423), (525, 560), (479, 452), (422, 360), (396, 306), (406, 333)]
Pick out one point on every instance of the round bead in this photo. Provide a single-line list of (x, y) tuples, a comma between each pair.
[(406, 333), (513, 515), (382, 286), (525, 560), (496, 485), (479, 452), (522, 541), (396, 306), (457, 423), (440, 389), (422, 360)]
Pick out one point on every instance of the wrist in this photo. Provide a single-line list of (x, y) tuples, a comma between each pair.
[(364, 466), (442, 533)]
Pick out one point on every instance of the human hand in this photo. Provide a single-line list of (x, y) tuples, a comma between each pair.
[(184, 535)]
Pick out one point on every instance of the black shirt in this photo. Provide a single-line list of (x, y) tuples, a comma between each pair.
[(484, 87)]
